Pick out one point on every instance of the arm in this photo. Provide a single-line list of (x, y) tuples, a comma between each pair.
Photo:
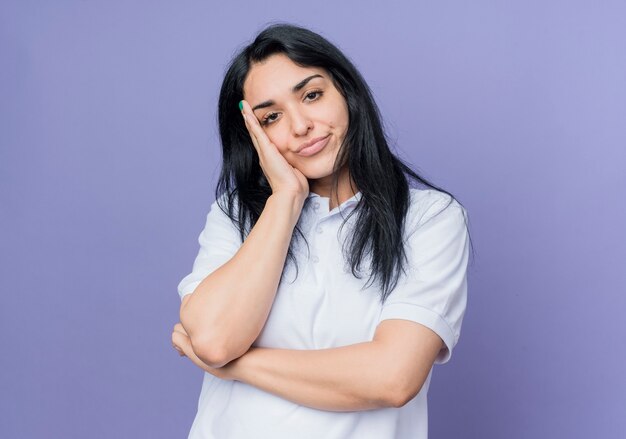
[(227, 311), (385, 372)]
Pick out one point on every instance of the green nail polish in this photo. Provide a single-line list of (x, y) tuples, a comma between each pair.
[(240, 105)]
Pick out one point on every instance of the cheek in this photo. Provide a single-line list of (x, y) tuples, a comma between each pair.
[(339, 123), (278, 140), (339, 120)]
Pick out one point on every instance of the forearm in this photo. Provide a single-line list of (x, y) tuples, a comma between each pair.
[(228, 310), (348, 378)]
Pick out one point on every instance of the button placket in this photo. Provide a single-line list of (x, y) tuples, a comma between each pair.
[(315, 258), (318, 245), (319, 207), (321, 245)]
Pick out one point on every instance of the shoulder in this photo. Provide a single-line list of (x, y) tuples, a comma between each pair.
[(218, 217), (426, 204), (224, 203)]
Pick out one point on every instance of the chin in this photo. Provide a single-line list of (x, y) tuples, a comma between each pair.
[(316, 170), (313, 173)]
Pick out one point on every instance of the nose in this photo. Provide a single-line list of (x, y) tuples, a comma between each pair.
[(300, 123)]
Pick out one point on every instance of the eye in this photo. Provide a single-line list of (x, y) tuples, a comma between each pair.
[(267, 119), (315, 92), (270, 118)]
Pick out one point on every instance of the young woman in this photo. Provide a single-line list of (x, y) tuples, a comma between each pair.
[(325, 287)]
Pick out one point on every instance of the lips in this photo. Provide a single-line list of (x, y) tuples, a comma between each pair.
[(314, 146)]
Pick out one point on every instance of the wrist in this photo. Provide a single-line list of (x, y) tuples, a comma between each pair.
[(287, 202), (238, 367)]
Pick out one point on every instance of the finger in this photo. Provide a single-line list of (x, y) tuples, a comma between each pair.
[(254, 126), (178, 340), (179, 350), (251, 133), (248, 123), (178, 327), (181, 342)]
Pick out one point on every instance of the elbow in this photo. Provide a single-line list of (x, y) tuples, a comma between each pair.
[(212, 354), (212, 350), (401, 399), (209, 351), (399, 394)]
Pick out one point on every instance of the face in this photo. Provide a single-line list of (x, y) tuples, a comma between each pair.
[(296, 105)]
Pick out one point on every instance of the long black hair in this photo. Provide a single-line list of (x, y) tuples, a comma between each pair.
[(381, 177)]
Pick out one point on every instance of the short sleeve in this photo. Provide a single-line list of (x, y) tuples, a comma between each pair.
[(219, 241), (434, 290)]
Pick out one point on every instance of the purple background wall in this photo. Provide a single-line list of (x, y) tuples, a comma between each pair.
[(109, 155)]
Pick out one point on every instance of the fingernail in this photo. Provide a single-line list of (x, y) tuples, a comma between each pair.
[(240, 105)]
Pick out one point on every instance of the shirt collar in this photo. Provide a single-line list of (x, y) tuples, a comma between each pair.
[(349, 202)]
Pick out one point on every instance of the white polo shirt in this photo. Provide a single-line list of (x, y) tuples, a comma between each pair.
[(324, 308)]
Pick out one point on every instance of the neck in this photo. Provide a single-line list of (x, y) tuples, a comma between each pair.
[(346, 188)]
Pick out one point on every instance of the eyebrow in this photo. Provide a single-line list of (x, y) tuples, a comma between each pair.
[(296, 88)]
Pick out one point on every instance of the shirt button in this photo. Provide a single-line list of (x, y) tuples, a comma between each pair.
[(316, 205), (320, 230), (316, 259)]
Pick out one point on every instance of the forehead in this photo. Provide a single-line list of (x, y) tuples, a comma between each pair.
[(274, 76)]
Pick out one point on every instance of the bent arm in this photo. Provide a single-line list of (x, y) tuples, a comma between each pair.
[(347, 378), (227, 311), (385, 372)]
